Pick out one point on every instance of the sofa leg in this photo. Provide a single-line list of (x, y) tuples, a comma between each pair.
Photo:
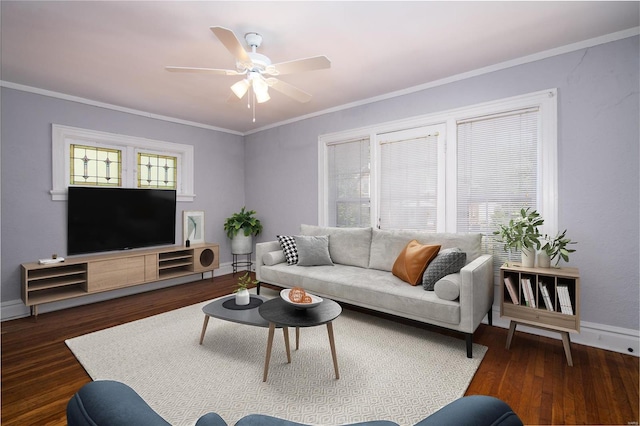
[(469, 339), (490, 316), (258, 288)]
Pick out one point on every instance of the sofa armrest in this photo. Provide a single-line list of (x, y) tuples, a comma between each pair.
[(261, 250), (476, 292)]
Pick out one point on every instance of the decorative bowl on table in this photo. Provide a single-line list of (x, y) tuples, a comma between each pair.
[(314, 300)]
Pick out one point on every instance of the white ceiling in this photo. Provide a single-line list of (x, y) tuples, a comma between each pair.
[(114, 52)]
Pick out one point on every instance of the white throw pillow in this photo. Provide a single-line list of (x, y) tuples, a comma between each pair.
[(273, 258), (448, 287)]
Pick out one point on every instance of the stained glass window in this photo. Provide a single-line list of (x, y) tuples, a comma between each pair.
[(157, 171), (95, 166)]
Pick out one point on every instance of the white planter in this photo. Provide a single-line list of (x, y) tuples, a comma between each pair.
[(543, 259), (528, 257), (240, 244), (243, 297)]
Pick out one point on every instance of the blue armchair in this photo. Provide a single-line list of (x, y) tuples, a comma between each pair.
[(107, 402)]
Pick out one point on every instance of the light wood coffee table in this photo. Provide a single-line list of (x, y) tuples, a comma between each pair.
[(279, 313)]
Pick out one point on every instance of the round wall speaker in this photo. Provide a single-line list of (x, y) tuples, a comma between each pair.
[(206, 257)]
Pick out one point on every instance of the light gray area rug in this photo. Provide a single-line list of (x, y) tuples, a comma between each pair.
[(387, 370)]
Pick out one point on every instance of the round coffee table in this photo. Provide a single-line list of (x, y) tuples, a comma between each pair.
[(241, 315), (282, 314)]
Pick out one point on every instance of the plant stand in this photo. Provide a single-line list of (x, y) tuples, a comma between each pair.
[(246, 263)]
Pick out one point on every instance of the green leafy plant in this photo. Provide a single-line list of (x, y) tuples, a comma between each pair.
[(522, 231), (556, 247), (245, 281), (244, 220)]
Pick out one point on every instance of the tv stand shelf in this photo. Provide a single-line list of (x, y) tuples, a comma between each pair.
[(80, 276)]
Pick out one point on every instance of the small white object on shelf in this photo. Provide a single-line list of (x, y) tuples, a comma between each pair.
[(315, 300), (51, 261)]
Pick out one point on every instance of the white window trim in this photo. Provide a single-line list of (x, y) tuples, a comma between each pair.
[(545, 100), (64, 136)]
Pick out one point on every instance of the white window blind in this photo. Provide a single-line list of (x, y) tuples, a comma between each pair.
[(349, 185), (408, 180), (497, 172)]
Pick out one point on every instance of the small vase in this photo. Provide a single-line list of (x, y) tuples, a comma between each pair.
[(243, 297), (543, 259), (528, 257)]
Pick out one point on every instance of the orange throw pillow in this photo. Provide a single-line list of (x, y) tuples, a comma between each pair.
[(413, 260)]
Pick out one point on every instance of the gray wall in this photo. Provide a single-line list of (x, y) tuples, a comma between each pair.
[(275, 171), (598, 139), (34, 226)]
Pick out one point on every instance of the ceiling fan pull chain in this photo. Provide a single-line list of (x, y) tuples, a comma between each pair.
[(253, 100)]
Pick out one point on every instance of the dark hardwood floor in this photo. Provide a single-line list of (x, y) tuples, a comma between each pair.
[(40, 374)]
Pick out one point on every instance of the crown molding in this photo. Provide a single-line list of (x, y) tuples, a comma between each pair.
[(631, 32), (113, 107), (474, 73)]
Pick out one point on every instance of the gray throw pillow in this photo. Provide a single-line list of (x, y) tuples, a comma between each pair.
[(448, 288), (448, 261), (313, 250)]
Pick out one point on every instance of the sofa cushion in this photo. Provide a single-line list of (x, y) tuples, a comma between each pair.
[(273, 258), (347, 246), (368, 288), (313, 250), (288, 244), (448, 261), (448, 287), (413, 260), (386, 245)]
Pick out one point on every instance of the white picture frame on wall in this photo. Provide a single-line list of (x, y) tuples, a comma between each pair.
[(193, 226)]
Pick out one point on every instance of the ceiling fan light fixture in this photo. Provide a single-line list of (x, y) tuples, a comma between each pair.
[(261, 89), (240, 88)]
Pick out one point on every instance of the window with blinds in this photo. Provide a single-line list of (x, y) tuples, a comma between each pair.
[(349, 187), (409, 180), (497, 172), (463, 170)]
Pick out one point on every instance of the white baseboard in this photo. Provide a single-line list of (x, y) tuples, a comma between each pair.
[(616, 339), (13, 309)]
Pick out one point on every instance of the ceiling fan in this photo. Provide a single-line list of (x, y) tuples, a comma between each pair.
[(258, 71)]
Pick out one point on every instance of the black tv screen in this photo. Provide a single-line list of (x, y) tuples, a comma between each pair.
[(107, 219)]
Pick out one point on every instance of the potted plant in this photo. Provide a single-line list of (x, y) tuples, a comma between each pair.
[(522, 234), (242, 293), (245, 221), (555, 247)]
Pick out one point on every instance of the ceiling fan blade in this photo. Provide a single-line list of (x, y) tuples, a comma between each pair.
[(299, 65), (231, 42), (289, 90), (202, 70)]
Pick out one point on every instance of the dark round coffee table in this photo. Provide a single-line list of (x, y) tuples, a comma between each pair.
[(243, 315), (282, 314)]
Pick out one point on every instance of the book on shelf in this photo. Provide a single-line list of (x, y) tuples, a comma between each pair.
[(565, 300), (512, 291), (546, 297), (529, 296)]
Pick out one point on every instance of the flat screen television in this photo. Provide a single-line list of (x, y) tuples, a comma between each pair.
[(107, 219)]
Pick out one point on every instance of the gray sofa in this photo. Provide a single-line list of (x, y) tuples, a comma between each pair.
[(361, 275), (111, 403)]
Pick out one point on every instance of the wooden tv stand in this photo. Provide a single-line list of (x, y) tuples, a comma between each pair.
[(80, 276)]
